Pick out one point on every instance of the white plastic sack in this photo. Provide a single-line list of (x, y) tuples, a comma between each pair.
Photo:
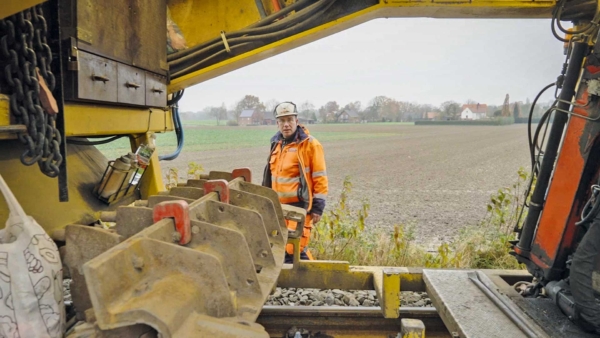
[(31, 293)]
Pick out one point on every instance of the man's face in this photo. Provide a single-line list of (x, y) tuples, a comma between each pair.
[(287, 125)]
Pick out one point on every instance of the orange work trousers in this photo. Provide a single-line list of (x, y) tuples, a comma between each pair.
[(291, 225)]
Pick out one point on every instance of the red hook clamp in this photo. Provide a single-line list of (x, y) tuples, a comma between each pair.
[(242, 172), (220, 187), (180, 212)]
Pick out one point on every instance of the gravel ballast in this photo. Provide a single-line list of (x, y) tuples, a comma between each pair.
[(336, 297)]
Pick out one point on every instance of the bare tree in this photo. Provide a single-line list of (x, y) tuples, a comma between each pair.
[(219, 113), (270, 106), (356, 105), (450, 110), (328, 111), (307, 109), (375, 110), (249, 102), (390, 110)]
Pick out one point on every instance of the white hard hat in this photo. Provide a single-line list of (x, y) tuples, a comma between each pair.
[(285, 109)]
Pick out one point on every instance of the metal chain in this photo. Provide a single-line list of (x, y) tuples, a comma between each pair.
[(24, 50)]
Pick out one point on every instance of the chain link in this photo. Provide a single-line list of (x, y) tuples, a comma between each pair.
[(24, 50)]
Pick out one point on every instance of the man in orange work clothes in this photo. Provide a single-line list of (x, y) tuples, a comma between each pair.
[(296, 171)]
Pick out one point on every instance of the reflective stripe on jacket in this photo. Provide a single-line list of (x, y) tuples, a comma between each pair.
[(297, 171)]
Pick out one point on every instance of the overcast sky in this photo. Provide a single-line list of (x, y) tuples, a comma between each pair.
[(417, 60)]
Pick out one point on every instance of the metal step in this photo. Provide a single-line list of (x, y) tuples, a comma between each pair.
[(10, 132), (469, 310)]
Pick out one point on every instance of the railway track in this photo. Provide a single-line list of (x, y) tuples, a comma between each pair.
[(336, 321)]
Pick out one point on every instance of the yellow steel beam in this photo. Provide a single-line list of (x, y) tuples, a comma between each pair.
[(202, 20), (321, 274), (386, 9), (8, 131), (4, 110), (91, 120), (10, 7), (387, 287)]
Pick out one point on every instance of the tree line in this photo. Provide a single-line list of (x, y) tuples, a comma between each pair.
[(379, 109)]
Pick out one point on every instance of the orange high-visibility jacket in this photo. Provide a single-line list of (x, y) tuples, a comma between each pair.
[(297, 171)]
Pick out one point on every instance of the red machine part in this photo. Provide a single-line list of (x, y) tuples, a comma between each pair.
[(242, 172), (555, 236), (220, 187), (179, 211)]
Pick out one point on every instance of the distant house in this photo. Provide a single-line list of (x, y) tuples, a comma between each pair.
[(348, 116), (432, 115), (473, 111), (269, 121), (249, 117)]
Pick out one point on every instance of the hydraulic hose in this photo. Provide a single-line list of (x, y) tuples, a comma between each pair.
[(248, 30), (538, 198), (591, 207), (266, 33), (531, 144), (261, 39), (178, 127), (81, 142), (219, 56)]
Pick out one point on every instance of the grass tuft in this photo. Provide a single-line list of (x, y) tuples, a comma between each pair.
[(343, 234)]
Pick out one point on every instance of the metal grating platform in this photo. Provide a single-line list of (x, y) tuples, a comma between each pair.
[(549, 316), (465, 308)]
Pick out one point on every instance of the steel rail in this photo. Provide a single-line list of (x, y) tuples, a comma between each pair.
[(340, 321)]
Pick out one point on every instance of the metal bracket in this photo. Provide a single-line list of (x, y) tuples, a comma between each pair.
[(242, 172), (180, 212), (387, 287), (220, 187), (297, 215), (225, 43)]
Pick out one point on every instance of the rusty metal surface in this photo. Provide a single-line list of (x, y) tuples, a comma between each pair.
[(267, 193), (131, 85), (264, 206), (156, 90), (213, 285), (96, 79), (156, 199), (131, 220), (158, 284), (195, 183), (129, 31), (186, 192), (83, 243), (346, 321), (246, 222)]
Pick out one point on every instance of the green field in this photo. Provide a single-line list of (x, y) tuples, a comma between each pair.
[(203, 123), (202, 137), (223, 123)]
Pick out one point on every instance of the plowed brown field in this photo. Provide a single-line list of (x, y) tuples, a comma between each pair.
[(437, 178)]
